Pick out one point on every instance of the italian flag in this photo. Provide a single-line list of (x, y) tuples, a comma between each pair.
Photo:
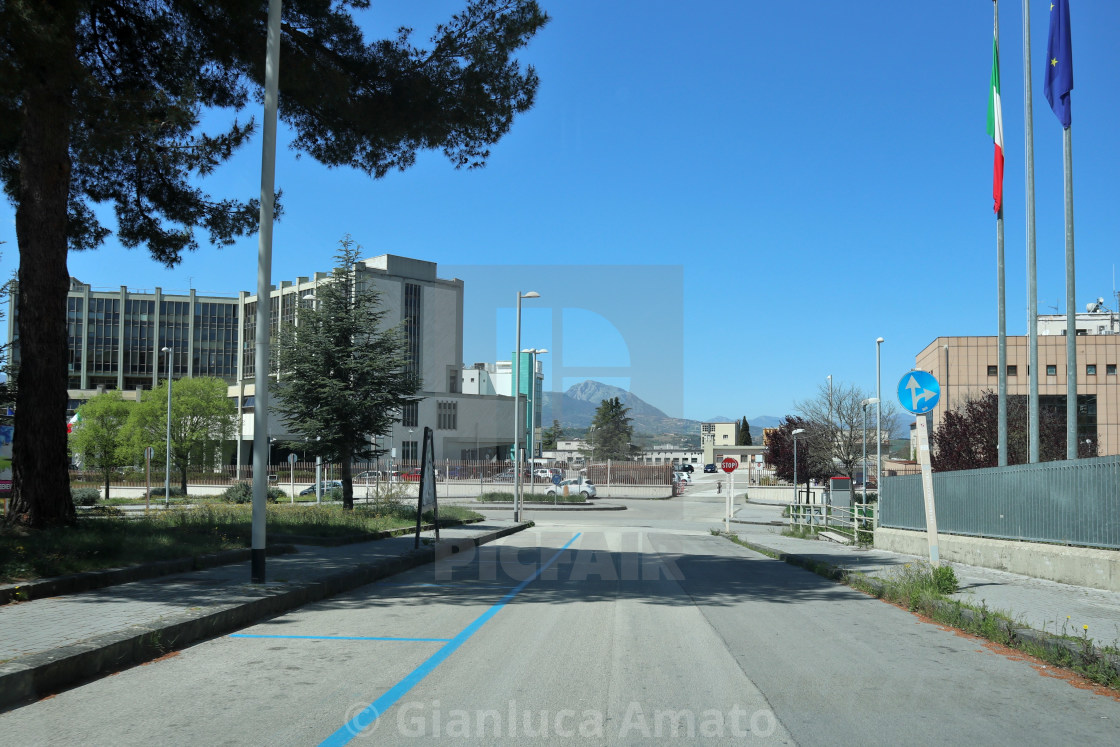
[(73, 421), (995, 128)]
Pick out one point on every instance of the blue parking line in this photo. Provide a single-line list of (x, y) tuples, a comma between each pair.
[(343, 638), (354, 726)]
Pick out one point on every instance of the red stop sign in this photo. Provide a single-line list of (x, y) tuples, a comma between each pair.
[(729, 465)]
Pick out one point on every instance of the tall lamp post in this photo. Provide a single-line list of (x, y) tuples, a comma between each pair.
[(167, 460), (518, 421), (863, 405), (878, 422)]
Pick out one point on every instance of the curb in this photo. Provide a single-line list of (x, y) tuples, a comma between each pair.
[(1078, 653), (38, 675), (527, 506), (76, 583), (349, 539)]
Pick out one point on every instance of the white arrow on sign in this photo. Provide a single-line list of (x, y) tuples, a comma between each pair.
[(917, 394)]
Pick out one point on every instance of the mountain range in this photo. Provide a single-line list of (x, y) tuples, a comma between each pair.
[(576, 407)]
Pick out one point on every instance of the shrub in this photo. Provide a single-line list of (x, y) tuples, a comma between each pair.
[(945, 579), (242, 492), (85, 496), (174, 492)]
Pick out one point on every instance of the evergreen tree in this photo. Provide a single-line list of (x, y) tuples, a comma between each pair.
[(551, 435), (611, 433), (344, 375), (101, 102)]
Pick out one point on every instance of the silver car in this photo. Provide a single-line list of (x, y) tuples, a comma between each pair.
[(585, 488)]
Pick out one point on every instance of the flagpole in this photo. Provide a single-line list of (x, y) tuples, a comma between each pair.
[(1071, 303), (1001, 295), (1032, 263)]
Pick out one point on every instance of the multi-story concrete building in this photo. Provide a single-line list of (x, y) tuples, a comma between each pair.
[(968, 366), (716, 435), (116, 338)]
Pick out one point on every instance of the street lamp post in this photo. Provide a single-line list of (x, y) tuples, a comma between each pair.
[(517, 419), (863, 406), (878, 423), (167, 460)]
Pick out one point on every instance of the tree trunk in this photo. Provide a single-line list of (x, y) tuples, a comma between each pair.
[(183, 479), (107, 475), (40, 476)]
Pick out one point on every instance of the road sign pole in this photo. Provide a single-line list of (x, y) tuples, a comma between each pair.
[(927, 490)]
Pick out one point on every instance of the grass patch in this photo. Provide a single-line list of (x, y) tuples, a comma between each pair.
[(925, 590), (109, 541)]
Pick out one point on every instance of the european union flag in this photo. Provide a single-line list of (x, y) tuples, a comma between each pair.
[(1059, 61)]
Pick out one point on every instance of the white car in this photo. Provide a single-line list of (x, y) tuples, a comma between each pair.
[(683, 477), (585, 488)]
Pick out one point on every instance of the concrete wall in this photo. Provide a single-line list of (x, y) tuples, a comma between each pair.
[(1080, 566)]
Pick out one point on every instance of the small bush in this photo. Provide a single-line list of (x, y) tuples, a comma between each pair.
[(85, 496), (242, 492), (945, 579), (175, 492)]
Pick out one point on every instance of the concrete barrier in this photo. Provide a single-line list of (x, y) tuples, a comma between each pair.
[(1080, 566), (779, 493)]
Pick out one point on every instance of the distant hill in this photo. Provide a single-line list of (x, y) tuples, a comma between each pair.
[(576, 407)]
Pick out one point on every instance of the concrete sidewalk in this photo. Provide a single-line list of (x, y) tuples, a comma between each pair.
[(49, 644), (1043, 605)]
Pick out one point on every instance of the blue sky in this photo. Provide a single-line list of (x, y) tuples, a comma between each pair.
[(720, 202)]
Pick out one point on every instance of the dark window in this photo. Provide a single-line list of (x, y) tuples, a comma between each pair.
[(410, 415), (447, 416), (1110, 369), (412, 328), (1090, 369), (1012, 370), (993, 370), (409, 451), (1051, 369)]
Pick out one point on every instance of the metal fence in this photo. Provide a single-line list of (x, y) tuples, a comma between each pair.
[(1073, 502)]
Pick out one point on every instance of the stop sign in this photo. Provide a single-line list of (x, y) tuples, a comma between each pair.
[(729, 465)]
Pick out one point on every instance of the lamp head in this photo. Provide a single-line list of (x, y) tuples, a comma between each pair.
[(879, 340), (530, 294), (165, 350), (798, 430)]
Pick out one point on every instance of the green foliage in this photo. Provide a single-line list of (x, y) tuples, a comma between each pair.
[(176, 491), (744, 437), (101, 104), (98, 438), (944, 579), (242, 492), (344, 374), (85, 496), (202, 419), (611, 433), (551, 435)]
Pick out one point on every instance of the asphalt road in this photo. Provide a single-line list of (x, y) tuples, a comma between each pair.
[(608, 628)]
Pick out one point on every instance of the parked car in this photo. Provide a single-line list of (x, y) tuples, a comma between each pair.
[(687, 468), (506, 476), (709, 468), (683, 477), (585, 488), (542, 475), (328, 486)]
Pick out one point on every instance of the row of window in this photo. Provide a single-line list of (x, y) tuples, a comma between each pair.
[(1052, 370)]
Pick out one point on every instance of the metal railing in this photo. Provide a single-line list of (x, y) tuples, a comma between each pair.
[(855, 522), (1072, 502)]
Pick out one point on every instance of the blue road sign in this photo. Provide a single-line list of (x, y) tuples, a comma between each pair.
[(556, 479), (919, 392)]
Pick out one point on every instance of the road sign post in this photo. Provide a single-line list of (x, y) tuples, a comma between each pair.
[(729, 466), (919, 392)]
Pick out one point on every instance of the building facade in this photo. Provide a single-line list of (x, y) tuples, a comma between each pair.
[(116, 338), (966, 367)]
